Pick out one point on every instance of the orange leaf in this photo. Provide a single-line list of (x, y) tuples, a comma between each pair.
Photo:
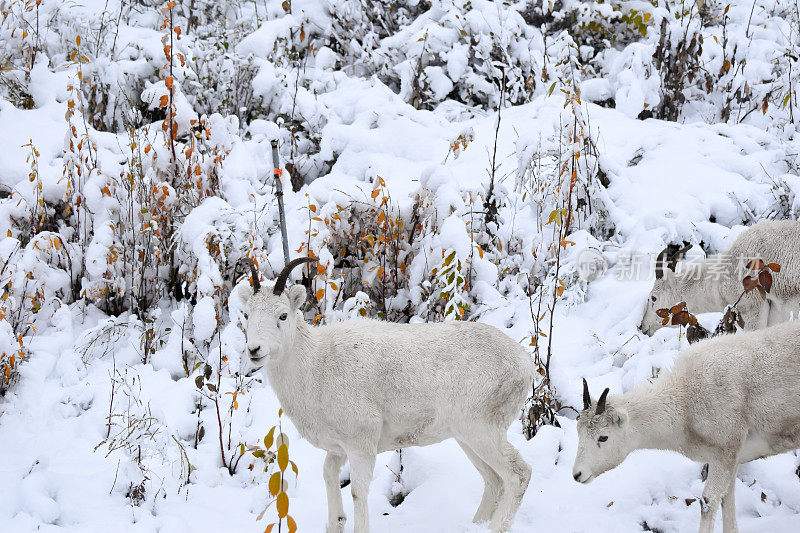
[(775, 267), (283, 457), (765, 280), (163, 101), (275, 484), (320, 294), (168, 82), (375, 193), (677, 308), (283, 505), (755, 264), (291, 523)]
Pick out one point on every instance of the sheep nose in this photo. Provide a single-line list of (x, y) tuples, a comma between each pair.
[(253, 352), (577, 476)]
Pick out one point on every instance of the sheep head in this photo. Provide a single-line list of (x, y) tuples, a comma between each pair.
[(273, 315), (665, 290), (603, 440)]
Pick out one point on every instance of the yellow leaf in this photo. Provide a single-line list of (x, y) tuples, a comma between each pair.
[(78, 40), (283, 505), (269, 528), (275, 484), (268, 438), (320, 294), (560, 291), (291, 523), (283, 457)]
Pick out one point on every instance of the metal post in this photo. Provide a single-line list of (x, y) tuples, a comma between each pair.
[(276, 169)]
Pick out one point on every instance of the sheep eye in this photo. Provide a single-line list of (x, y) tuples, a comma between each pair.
[(653, 298), (283, 316), (602, 438)]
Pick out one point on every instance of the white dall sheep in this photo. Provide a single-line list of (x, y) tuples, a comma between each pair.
[(717, 282), (727, 400), (360, 387)]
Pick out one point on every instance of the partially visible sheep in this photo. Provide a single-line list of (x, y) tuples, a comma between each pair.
[(717, 282), (726, 401), (361, 387)]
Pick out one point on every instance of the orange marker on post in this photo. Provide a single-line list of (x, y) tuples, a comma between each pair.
[(277, 172)]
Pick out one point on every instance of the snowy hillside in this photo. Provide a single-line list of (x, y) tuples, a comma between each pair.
[(443, 159)]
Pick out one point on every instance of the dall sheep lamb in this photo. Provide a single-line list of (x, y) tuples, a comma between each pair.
[(717, 282), (360, 387), (727, 400)]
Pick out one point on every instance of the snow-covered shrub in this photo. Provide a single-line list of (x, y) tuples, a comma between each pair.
[(462, 51), (365, 247)]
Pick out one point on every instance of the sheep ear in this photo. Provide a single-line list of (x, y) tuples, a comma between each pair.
[(297, 296), (245, 292), (620, 417)]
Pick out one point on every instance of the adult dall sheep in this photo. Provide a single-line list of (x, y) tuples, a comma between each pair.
[(727, 400), (360, 387), (717, 282)]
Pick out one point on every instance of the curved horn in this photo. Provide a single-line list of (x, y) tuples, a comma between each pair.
[(254, 274), (601, 403), (280, 283), (660, 260), (677, 256), (587, 400)]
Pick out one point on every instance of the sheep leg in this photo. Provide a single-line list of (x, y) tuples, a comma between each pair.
[(729, 509), (514, 472), (492, 489), (362, 464), (721, 475), (330, 472)]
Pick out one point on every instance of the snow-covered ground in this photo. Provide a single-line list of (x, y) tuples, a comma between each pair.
[(98, 435)]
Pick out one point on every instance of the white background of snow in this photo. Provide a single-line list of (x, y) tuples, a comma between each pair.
[(51, 422)]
